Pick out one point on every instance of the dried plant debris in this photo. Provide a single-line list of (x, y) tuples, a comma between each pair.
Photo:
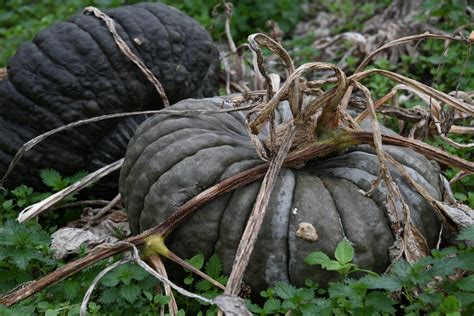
[(67, 240)]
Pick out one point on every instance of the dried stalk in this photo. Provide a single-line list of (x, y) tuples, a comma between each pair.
[(459, 220), (110, 23), (255, 221), (462, 130), (37, 208), (259, 39), (156, 262), (401, 41), (413, 246), (106, 209), (172, 256), (455, 103), (266, 113), (377, 105)]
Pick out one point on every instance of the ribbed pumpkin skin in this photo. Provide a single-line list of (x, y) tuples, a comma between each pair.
[(74, 70), (170, 159)]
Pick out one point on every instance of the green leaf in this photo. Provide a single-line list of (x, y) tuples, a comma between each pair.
[(93, 307), (321, 307), (51, 312), (110, 280), (130, 292), (204, 285), (71, 288), (344, 252), (188, 280), (254, 308), (148, 295), (466, 261), (465, 298), (433, 299), (197, 261), (109, 295), (285, 290), (466, 284), (317, 257), (52, 178), (161, 299), (451, 305), (137, 272), (7, 205), (467, 233), (334, 265), (77, 176), (380, 302), (460, 196), (214, 266), (21, 257), (385, 282), (271, 306)]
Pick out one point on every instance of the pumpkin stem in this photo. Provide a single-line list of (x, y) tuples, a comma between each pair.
[(156, 245)]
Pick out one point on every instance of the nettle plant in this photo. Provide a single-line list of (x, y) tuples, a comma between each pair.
[(440, 284)]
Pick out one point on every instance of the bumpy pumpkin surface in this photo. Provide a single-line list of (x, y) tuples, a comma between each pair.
[(74, 70), (170, 159)]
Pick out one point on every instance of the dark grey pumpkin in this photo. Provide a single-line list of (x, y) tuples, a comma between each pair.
[(170, 159), (74, 70)]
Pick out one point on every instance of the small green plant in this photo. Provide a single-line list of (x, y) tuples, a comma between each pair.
[(441, 284), (24, 254), (56, 182), (343, 265), (12, 202), (213, 268), (353, 16)]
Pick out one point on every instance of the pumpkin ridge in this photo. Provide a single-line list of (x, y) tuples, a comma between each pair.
[(221, 217), (344, 235), (141, 157), (106, 56), (27, 108), (288, 240), (368, 235), (61, 65), (370, 177), (417, 159), (174, 165), (413, 199), (144, 159), (151, 125), (63, 69), (351, 160), (46, 114), (315, 205), (226, 174), (114, 142), (151, 134), (281, 205), (136, 195)]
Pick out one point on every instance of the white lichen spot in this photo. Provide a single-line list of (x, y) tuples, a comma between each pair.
[(295, 211), (138, 41), (306, 231)]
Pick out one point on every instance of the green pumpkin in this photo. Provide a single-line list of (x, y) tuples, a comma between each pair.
[(173, 158)]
